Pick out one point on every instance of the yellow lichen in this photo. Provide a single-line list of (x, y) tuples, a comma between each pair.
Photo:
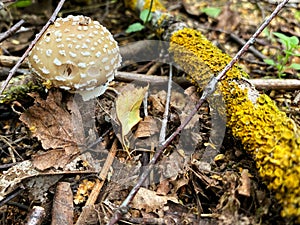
[(156, 5), (266, 133)]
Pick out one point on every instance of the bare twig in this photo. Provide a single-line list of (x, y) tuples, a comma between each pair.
[(163, 130), (11, 31), (276, 84), (208, 90), (251, 40), (238, 40), (103, 174), (50, 21), (99, 183)]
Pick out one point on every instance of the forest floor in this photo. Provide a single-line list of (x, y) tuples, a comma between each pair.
[(182, 189)]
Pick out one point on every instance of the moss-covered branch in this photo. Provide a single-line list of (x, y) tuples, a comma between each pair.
[(267, 134)]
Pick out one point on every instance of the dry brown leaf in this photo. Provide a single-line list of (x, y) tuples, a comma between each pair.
[(173, 164), (146, 127), (244, 188), (53, 158), (158, 102), (228, 19), (56, 127), (163, 187), (150, 201), (13, 176)]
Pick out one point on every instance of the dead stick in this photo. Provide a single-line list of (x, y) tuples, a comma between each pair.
[(36, 216), (103, 174), (62, 208), (276, 84), (208, 90), (99, 183), (10, 61), (267, 84), (11, 31), (50, 21)]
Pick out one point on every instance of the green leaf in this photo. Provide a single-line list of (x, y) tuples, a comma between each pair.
[(128, 107), (295, 66), (22, 3), (135, 27), (281, 36), (297, 15), (128, 111), (294, 41), (144, 14), (270, 62), (213, 12), (296, 54)]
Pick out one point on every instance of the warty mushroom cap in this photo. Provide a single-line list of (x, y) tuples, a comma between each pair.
[(76, 54)]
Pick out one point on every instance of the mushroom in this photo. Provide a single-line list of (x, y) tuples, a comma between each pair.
[(76, 54)]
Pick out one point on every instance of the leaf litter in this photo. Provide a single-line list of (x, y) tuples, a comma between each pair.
[(212, 183), (52, 122)]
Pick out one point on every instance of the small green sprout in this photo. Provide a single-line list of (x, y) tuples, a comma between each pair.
[(145, 16), (283, 59), (213, 12)]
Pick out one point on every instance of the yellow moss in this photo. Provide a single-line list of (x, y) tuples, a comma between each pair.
[(267, 134)]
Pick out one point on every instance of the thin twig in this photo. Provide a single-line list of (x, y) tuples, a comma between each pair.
[(99, 183), (237, 39), (163, 130), (277, 84), (11, 30), (50, 21), (209, 89), (251, 40), (92, 145)]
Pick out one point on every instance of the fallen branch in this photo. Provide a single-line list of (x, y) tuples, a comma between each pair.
[(99, 183), (62, 207)]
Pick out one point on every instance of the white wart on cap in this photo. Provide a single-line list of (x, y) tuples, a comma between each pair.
[(76, 54)]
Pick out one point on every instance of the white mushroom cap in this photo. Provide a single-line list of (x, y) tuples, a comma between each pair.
[(76, 54)]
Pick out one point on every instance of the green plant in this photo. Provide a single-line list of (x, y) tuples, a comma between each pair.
[(22, 3), (283, 59), (213, 12), (145, 16)]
